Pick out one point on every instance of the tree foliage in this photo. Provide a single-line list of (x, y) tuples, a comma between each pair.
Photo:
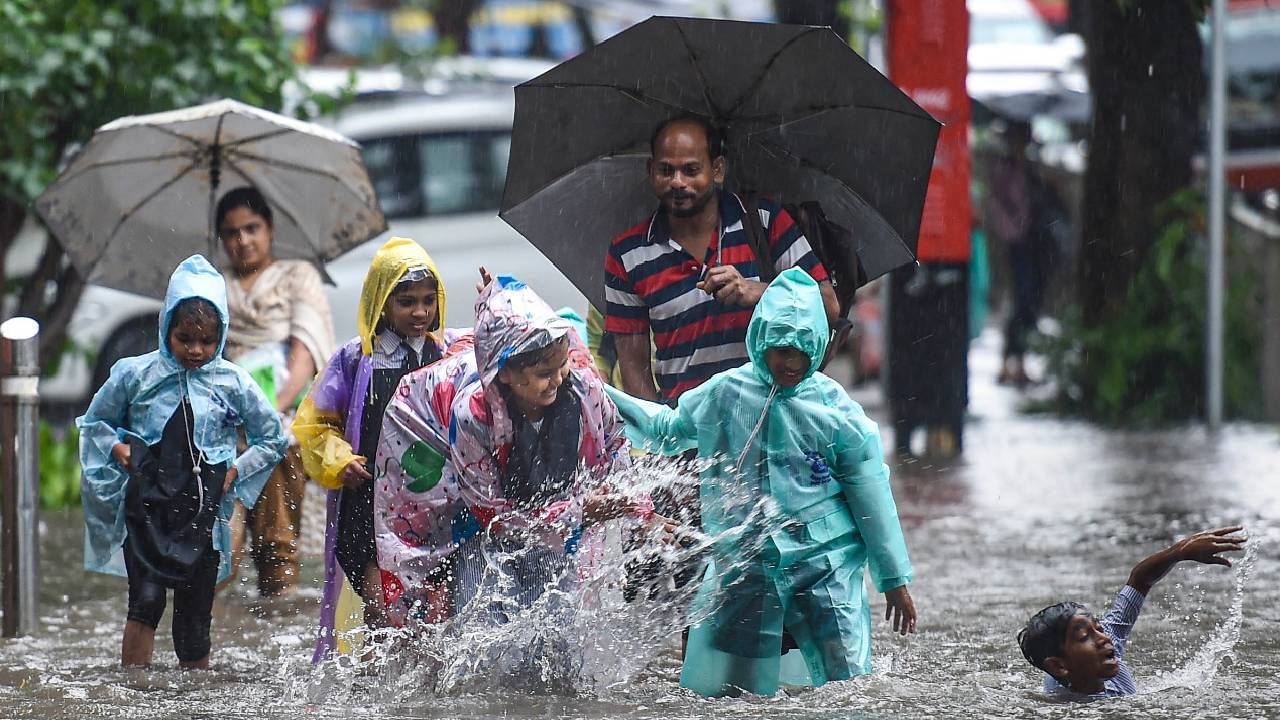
[(69, 66), (1146, 365)]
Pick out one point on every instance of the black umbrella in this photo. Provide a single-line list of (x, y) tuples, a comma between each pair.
[(804, 118)]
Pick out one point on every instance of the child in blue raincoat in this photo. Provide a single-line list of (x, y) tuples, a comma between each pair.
[(796, 496), (160, 469)]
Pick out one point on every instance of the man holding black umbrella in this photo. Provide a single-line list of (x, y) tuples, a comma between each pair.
[(689, 272)]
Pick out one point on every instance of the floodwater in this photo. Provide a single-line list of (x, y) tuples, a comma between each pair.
[(1038, 511)]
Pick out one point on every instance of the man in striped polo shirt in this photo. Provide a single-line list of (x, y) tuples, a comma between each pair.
[(688, 273)]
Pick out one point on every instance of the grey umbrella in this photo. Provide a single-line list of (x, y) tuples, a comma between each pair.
[(804, 117), (139, 196)]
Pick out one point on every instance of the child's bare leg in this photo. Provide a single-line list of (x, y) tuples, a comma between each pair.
[(375, 615), (138, 646), (201, 664)]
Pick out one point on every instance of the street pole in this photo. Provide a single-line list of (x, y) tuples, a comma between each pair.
[(20, 460), (1217, 211)]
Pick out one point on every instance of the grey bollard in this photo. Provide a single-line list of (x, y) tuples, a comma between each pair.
[(20, 456)]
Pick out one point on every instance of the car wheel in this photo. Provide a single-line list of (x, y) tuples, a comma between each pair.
[(135, 337)]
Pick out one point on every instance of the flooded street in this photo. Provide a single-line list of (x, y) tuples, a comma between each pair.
[(1039, 510)]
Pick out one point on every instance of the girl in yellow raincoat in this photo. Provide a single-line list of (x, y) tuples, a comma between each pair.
[(399, 318)]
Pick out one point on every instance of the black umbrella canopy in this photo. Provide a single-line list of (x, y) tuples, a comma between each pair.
[(804, 117)]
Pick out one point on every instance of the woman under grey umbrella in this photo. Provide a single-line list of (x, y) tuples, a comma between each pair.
[(281, 331)]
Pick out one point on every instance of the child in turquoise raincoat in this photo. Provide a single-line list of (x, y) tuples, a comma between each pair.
[(160, 469), (796, 495)]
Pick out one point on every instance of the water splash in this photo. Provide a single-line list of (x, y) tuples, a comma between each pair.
[(580, 636), (1203, 666)]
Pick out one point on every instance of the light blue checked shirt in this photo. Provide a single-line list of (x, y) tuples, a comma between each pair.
[(1116, 624)]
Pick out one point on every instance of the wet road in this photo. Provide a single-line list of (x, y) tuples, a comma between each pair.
[(1038, 511)]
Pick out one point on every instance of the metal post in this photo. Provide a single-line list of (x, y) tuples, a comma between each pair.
[(20, 455), (1217, 212)]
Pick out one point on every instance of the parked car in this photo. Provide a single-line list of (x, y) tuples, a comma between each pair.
[(1013, 51), (438, 163)]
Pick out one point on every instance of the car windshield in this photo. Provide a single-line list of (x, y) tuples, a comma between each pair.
[(438, 173), (995, 30)]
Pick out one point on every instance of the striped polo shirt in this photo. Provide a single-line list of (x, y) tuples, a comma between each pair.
[(651, 284)]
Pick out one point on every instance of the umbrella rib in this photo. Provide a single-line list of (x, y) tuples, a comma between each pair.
[(336, 177), (767, 67), (262, 136), (702, 80), (124, 217), (125, 161), (278, 206), (167, 131), (285, 165)]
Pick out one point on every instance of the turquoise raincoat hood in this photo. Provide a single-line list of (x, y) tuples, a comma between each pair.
[(789, 314), (194, 278)]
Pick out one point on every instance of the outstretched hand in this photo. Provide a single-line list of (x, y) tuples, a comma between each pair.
[(901, 609), (1204, 547)]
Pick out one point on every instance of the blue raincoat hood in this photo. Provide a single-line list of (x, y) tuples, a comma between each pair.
[(789, 314), (194, 277)]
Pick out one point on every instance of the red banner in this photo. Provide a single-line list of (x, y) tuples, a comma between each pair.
[(928, 49)]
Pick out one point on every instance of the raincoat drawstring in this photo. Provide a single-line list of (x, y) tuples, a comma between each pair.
[(737, 468)]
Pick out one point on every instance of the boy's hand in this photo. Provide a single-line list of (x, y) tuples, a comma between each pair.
[(901, 609), (232, 474), (354, 475), (121, 452), (1203, 547)]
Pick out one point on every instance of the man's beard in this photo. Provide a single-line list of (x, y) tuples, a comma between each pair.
[(699, 203)]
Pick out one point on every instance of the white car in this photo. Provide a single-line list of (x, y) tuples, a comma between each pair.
[(1012, 51), (438, 163)]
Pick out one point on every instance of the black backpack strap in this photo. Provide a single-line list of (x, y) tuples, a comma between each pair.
[(758, 237)]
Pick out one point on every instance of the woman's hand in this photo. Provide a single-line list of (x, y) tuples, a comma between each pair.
[(354, 475), (901, 609), (230, 480), (121, 452)]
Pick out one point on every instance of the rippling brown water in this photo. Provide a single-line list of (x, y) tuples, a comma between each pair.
[(1039, 510)]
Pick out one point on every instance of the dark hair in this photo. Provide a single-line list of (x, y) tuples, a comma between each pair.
[(715, 138), (528, 359), (1046, 633), (247, 197), (197, 309)]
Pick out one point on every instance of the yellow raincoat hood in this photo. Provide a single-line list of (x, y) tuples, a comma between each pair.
[(390, 264)]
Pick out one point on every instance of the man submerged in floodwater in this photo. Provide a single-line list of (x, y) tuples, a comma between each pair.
[(1084, 656)]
